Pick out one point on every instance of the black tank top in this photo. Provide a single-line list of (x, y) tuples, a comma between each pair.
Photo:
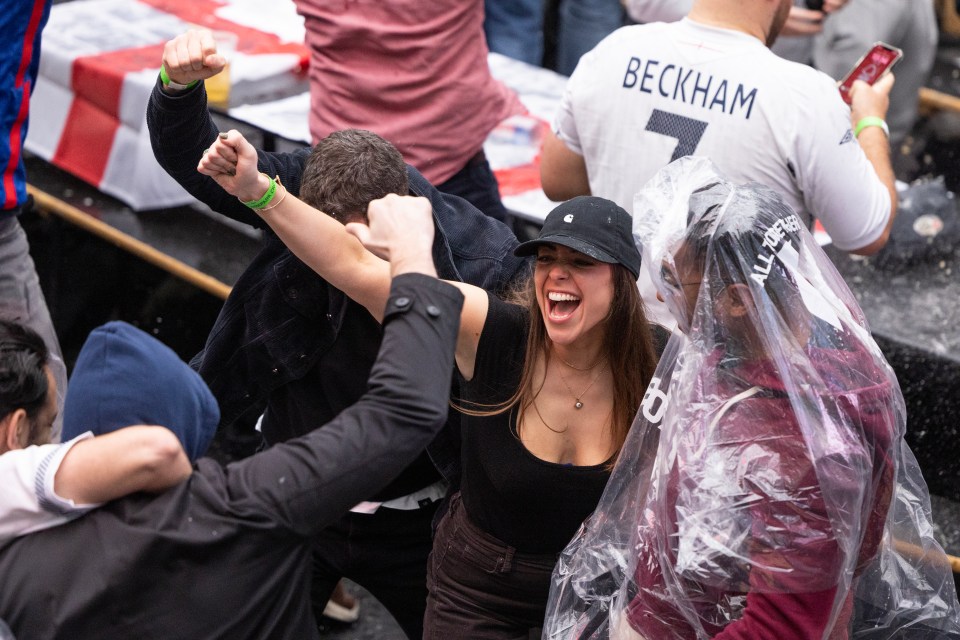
[(530, 504)]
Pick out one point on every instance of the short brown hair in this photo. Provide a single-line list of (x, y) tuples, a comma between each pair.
[(348, 169)]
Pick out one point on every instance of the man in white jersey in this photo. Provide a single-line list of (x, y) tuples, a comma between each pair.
[(835, 45), (709, 85)]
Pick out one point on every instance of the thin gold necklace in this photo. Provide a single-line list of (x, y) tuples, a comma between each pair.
[(576, 368), (578, 403), (545, 423)]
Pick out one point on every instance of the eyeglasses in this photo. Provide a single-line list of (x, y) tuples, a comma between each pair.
[(666, 274)]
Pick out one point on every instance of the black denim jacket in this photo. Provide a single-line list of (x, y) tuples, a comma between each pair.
[(282, 318)]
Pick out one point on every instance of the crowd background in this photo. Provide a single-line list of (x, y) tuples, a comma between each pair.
[(182, 318)]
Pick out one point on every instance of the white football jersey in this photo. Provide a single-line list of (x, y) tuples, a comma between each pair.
[(649, 94)]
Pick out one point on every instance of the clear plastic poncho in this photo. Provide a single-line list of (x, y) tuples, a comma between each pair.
[(765, 489)]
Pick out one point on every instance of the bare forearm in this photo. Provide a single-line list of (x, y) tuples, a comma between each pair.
[(313, 236), (563, 173), (876, 147), (137, 458), (338, 257), (870, 103)]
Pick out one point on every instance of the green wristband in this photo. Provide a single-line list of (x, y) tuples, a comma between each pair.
[(871, 121), (265, 198), (167, 82)]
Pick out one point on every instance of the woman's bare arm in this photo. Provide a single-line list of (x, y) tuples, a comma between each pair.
[(336, 253)]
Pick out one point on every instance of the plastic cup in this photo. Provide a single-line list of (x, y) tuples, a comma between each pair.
[(218, 86)]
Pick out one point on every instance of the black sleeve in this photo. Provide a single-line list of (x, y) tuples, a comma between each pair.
[(304, 484), (181, 128), (501, 351)]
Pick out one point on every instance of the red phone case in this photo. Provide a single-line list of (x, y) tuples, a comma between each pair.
[(870, 67)]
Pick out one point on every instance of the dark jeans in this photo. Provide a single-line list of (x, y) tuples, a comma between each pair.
[(384, 552), (514, 28), (476, 184), (480, 588)]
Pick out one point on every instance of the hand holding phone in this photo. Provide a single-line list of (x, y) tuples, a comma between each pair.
[(871, 67)]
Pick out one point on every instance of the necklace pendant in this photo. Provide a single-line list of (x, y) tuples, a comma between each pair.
[(578, 405)]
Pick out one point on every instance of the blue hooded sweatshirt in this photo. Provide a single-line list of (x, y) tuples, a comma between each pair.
[(124, 376)]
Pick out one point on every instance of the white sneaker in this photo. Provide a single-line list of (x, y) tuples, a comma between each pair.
[(342, 612)]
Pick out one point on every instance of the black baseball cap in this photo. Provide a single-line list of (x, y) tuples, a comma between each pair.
[(593, 226)]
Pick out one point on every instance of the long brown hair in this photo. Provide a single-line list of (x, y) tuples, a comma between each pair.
[(627, 345)]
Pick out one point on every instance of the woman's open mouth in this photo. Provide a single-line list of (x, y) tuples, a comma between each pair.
[(561, 306)]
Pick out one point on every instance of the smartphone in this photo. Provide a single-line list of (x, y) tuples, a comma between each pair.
[(815, 5), (870, 67)]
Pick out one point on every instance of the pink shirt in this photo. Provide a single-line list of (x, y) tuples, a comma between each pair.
[(414, 72)]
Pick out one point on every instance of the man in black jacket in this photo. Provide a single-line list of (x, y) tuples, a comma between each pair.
[(288, 341), (225, 554)]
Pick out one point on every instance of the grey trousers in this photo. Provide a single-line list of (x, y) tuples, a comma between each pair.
[(910, 25), (21, 299)]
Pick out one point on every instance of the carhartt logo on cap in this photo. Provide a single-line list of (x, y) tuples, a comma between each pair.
[(578, 224)]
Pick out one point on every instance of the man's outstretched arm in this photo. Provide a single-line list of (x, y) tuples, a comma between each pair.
[(181, 127), (48, 485), (110, 466)]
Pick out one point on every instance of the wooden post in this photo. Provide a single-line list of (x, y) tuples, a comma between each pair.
[(46, 202), (932, 100), (949, 20)]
